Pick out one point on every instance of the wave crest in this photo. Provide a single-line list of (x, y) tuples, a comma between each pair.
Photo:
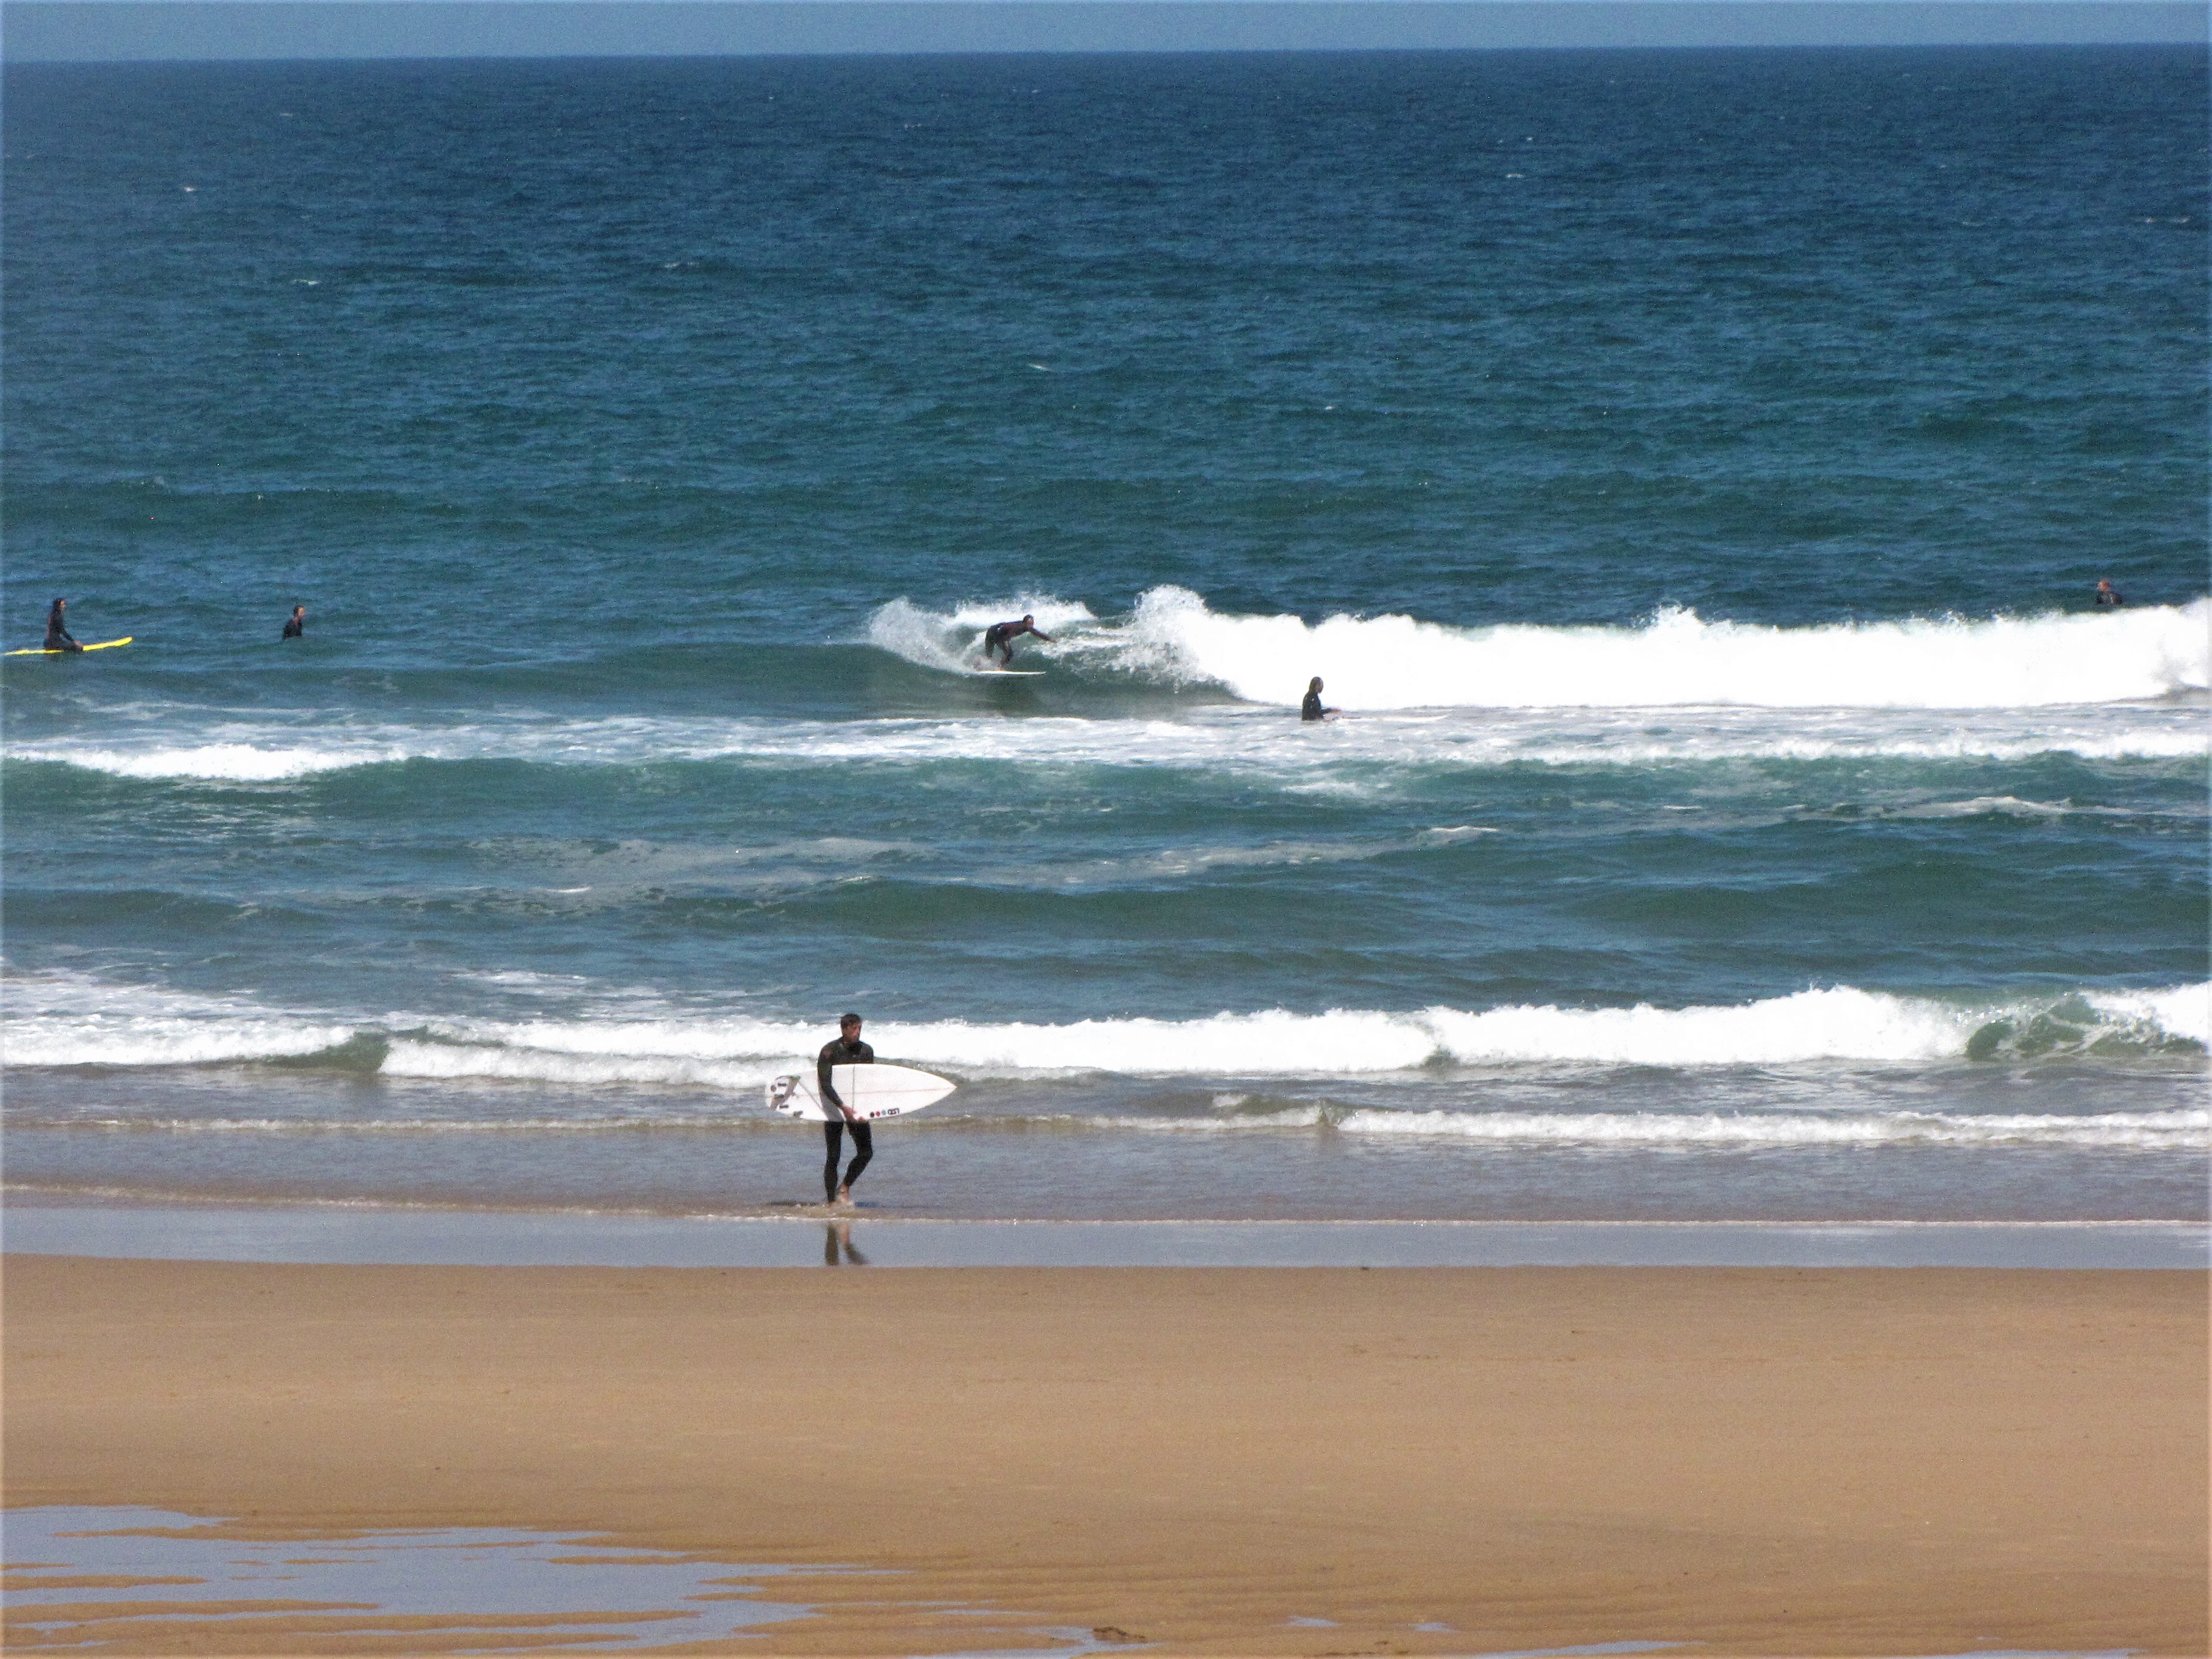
[(1675, 658), (73, 1022)]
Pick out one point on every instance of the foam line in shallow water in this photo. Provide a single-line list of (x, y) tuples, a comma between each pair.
[(185, 744), (2178, 1130), (2171, 1131)]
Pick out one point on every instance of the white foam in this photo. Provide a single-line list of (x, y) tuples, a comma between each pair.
[(1050, 614), (2174, 1131), (241, 762), (2013, 806), (433, 1059), (1676, 659), (2181, 1011), (1837, 1023), (1262, 746), (1833, 1024), (72, 1019), (2179, 1130), (66, 1021)]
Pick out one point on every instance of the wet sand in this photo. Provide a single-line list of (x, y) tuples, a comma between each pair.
[(1754, 1460)]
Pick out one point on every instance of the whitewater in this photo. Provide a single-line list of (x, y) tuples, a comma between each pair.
[(2130, 686), (1674, 658), (66, 1020)]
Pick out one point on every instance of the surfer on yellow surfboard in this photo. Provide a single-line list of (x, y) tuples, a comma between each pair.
[(58, 640)]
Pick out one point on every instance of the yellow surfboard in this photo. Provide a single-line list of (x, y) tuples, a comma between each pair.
[(105, 645)]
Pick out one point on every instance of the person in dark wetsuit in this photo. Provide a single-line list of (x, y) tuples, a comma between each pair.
[(58, 636), (1311, 709), (2107, 594), (297, 628), (1000, 637), (847, 1050)]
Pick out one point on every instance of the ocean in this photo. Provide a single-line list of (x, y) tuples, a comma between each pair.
[(1689, 472)]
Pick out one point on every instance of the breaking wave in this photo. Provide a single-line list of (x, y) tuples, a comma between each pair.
[(952, 642), (69, 1021), (1675, 658)]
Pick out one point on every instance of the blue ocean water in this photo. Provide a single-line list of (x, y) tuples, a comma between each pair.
[(1688, 472)]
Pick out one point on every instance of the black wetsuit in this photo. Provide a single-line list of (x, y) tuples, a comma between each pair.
[(841, 1053), (58, 637), (1000, 637), (295, 628), (1311, 709), (2110, 596)]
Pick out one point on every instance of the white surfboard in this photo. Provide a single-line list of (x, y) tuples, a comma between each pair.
[(1008, 673), (872, 1091)]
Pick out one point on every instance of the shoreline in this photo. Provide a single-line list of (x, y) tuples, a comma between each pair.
[(364, 1234), (1750, 1461)]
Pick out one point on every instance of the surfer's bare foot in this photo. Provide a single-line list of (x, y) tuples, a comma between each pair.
[(845, 1195)]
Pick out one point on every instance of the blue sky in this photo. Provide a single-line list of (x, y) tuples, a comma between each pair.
[(36, 30)]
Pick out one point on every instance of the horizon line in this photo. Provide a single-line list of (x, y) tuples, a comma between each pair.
[(249, 31)]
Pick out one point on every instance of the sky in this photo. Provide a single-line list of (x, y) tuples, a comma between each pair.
[(114, 30)]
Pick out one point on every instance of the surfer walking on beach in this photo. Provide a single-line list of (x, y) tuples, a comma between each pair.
[(57, 636), (1000, 637), (845, 1049)]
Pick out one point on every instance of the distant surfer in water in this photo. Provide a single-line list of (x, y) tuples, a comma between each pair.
[(2107, 594), (1311, 709), (58, 636), (1000, 637), (296, 629), (846, 1049)]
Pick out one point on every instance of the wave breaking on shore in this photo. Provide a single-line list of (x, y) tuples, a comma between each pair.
[(60, 1020)]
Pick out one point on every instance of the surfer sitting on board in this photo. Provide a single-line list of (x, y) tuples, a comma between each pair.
[(58, 637), (847, 1050), (297, 628), (2107, 594), (1311, 709), (1000, 637)]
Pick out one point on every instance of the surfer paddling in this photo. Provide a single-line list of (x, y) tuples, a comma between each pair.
[(57, 634), (1000, 637), (846, 1049)]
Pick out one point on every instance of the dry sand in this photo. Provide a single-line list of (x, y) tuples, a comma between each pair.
[(1775, 1461)]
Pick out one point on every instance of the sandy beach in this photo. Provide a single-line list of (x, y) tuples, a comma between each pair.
[(1850, 1461)]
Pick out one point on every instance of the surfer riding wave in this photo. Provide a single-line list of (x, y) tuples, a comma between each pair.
[(1000, 637)]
